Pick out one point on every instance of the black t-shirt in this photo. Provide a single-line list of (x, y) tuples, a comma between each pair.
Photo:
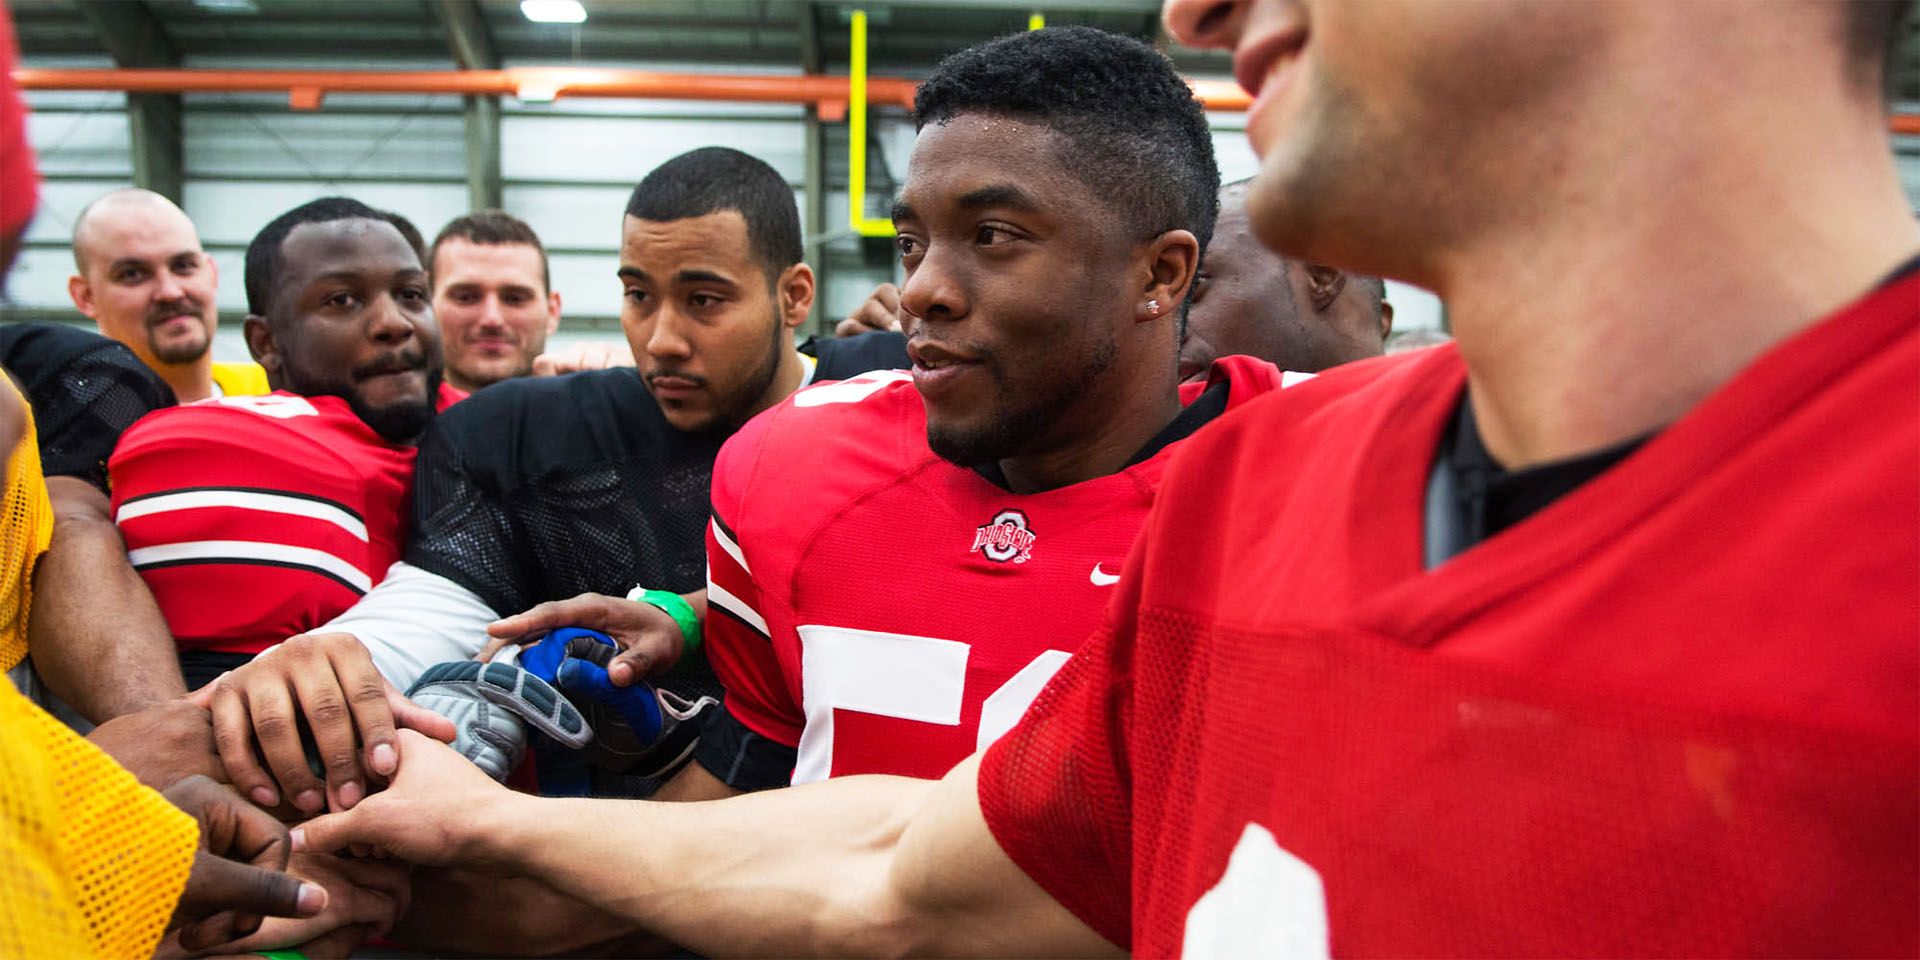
[(85, 390)]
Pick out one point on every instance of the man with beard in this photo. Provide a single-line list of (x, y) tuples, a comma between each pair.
[(1250, 301), (253, 518), (543, 489), (144, 279)]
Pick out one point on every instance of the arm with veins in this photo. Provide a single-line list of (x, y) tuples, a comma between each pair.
[(851, 866)]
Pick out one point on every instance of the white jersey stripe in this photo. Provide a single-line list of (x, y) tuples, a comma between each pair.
[(243, 500), (718, 596), (726, 543), (246, 551)]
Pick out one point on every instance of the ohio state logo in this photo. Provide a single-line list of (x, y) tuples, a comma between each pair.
[(1005, 537)]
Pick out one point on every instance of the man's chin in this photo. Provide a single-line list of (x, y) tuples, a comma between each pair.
[(397, 422), (181, 351)]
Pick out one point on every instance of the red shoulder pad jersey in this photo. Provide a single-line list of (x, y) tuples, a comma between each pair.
[(253, 519), (1676, 712), (884, 611)]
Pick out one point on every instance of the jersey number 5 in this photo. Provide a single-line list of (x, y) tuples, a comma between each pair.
[(903, 676)]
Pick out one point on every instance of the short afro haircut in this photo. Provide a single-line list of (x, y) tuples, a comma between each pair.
[(1137, 134), (712, 179), (263, 253)]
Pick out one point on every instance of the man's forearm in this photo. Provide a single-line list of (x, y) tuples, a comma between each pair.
[(96, 636), (799, 871), (856, 866)]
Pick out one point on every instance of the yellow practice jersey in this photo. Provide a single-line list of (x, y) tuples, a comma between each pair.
[(240, 379), (91, 862)]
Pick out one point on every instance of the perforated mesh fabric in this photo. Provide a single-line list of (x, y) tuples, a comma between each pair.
[(85, 389), (91, 862), (1449, 809), (26, 528), (543, 489)]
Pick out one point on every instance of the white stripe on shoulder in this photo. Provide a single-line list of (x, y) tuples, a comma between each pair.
[(726, 543), (718, 596), (250, 551), (1293, 378), (258, 500)]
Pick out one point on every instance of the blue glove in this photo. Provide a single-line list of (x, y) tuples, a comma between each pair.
[(638, 730)]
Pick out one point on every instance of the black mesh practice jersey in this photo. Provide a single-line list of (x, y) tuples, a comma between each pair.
[(85, 390), (541, 489)]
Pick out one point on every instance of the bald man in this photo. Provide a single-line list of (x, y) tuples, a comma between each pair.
[(1297, 315), (145, 280)]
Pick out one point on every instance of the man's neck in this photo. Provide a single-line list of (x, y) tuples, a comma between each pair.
[(1638, 291), (1116, 419), (190, 381)]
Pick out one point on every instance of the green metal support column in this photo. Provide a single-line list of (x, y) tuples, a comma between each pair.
[(472, 48), (483, 153), (156, 141), (815, 182)]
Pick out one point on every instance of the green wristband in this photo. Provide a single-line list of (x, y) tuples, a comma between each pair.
[(675, 606), (280, 954)]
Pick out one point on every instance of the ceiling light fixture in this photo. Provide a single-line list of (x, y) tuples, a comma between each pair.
[(553, 11), (228, 6)]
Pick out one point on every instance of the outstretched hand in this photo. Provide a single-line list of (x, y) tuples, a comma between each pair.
[(649, 640), (428, 815)]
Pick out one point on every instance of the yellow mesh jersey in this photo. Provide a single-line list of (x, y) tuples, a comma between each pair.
[(26, 527), (241, 379), (91, 862)]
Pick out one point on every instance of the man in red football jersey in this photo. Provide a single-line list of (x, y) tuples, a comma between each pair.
[(1012, 467), (256, 518), (1595, 632)]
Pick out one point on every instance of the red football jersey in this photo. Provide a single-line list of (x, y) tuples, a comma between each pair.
[(253, 519), (885, 611), (1675, 712)]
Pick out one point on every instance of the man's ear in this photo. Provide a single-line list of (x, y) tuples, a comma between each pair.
[(1324, 285), (260, 343), (81, 292), (1386, 320), (1172, 259), (553, 312), (795, 292)]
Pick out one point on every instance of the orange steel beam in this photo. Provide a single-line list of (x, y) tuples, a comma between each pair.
[(306, 88)]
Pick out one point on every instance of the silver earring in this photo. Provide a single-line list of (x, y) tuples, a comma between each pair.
[(1153, 306)]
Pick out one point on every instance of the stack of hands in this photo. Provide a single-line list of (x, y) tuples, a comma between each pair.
[(305, 733)]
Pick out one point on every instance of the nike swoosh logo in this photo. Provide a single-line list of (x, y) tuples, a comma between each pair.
[(1103, 579)]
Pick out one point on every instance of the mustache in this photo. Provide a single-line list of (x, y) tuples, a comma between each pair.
[(693, 378), (174, 308), (400, 361)]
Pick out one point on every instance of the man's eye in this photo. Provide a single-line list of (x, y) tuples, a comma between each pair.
[(992, 236), (906, 245), (635, 295), (704, 300), (340, 300)]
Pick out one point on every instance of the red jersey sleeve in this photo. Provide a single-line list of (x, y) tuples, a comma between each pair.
[(737, 635), (1056, 790)]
